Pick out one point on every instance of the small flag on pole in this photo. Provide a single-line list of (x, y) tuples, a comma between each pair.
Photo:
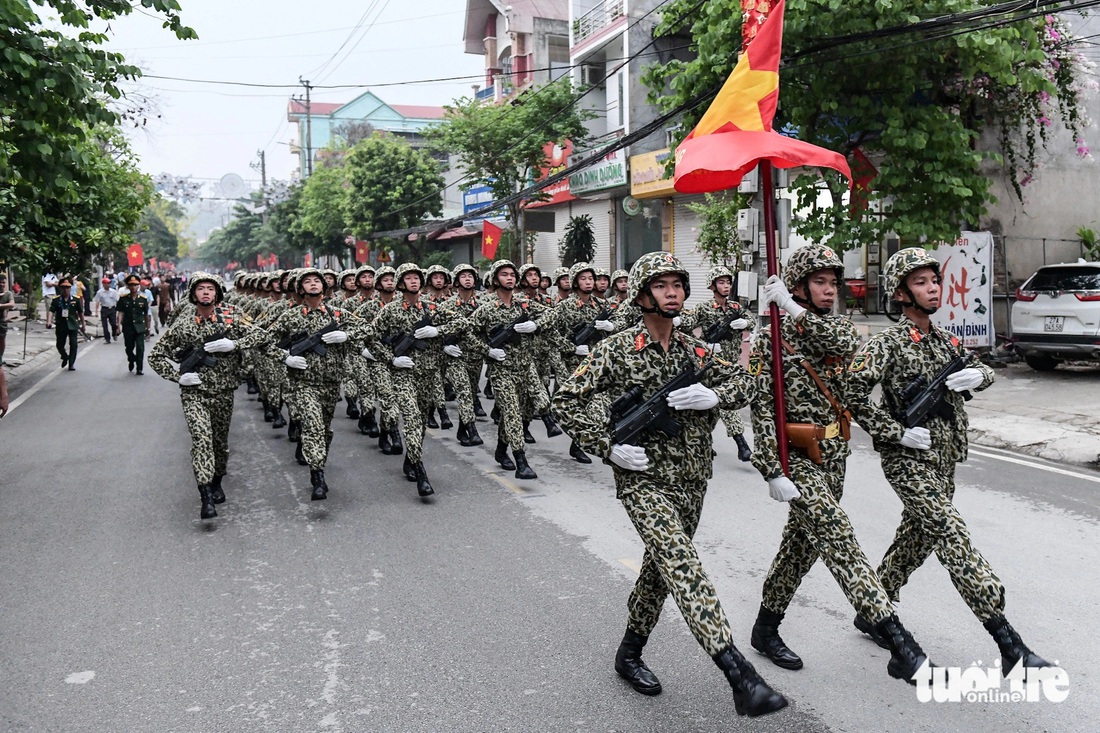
[(362, 252), (490, 239), (134, 255)]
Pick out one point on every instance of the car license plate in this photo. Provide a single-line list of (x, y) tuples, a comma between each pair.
[(1054, 323)]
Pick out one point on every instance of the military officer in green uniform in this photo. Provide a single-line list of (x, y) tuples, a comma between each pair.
[(919, 460), (131, 312), (68, 314), (661, 479), (817, 346), (220, 335)]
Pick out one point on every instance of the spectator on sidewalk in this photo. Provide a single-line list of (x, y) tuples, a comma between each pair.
[(69, 313), (49, 292), (3, 392), (164, 301), (86, 281), (106, 300), (7, 304)]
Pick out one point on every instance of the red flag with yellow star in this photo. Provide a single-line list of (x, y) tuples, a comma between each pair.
[(134, 255), (490, 238), (362, 251), (735, 133)]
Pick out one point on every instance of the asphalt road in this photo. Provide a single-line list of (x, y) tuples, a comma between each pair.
[(495, 607)]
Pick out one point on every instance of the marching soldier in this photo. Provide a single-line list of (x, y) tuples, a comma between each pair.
[(462, 360), (817, 346), (68, 314), (389, 436), (617, 296), (206, 391), (132, 312), (313, 378), (436, 286), (365, 306), (661, 479), (919, 460), (722, 322), (562, 283)]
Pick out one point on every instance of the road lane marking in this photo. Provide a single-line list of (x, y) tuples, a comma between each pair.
[(43, 382), (1033, 464)]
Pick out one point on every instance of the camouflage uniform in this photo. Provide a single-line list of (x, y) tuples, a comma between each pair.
[(464, 372), (570, 315)]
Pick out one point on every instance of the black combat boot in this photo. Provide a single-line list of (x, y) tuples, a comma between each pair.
[(460, 434), (352, 410), (208, 511), (495, 414), (253, 388), (868, 628), (409, 469), (744, 452), (397, 447), (552, 427), (299, 455), (367, 425), (277, 421), (1013, 649), (472, 434), (523, 470), (577, 454), (449, 392), (423, 487), (269, 414), (320, 488), (384, 442), (216, 494), (479, 411), (502, 458), (430, 421), (906, 656), (751, 694), (294, 432), (629, 665), (527, 437), (444, 419), (488, 391), (766, 640)]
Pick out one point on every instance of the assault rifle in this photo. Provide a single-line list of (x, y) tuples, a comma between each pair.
[(584, 333), (505, 334), (194, 357), (631, 414), (305, 343), (921, 399), (403, 343), (720, 330)]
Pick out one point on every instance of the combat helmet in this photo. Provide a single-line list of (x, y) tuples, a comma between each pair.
[(807, 260), (438, 269), (577, 269), (559, 273), (715, 272), (404, 269), (619, 274), (199, 277), (304, 273), (466, 267), (343, 274), (903, 262), (652, 265), (497, 267)]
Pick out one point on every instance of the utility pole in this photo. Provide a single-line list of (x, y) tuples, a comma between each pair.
[(309, 129), (263, 182)]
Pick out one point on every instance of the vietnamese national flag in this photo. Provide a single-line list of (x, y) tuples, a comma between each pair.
[(362, 252), (490, 239), (309, 259), (735, 133), (152, 263), (134, 255)]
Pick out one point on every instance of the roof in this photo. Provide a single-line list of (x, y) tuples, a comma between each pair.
[(408, 111), (298, 107), (419, 111)]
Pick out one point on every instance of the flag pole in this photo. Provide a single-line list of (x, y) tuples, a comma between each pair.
[(767, 188)]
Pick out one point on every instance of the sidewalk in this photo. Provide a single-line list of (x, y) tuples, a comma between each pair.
[(1052, 415)]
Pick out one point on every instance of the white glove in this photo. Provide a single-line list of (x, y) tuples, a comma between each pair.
[(334, 337), (497, 354), (739, 325), (693, 397), (296, 362), (918, 438), (676, 321), (715, 348), (605, 326), (367, 355), (452, 350), (965, 379), (525, 327), (403, 362), (782, 488), (630, 457), (776, 292), (581, 350), (191, 379), (426, 332), (221, 346)]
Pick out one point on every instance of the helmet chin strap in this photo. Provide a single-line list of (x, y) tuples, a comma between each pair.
[(654, 309), (912, 302), (808, 304)]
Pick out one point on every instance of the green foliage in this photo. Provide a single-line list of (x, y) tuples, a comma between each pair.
[(578, 244), (237, 241), (503, 146), (718, 239), (160, 230), (919, 110), (1090, 242), (390, 186)]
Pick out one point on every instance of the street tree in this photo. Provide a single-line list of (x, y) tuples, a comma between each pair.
[(238, 241), (937, 112), (505, 146)]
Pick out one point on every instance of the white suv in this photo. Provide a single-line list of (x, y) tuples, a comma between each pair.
[(1056, 316)]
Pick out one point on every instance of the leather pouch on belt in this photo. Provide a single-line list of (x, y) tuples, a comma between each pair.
[(805, 436)]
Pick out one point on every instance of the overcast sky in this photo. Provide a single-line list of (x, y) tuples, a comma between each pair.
[(209, 130)]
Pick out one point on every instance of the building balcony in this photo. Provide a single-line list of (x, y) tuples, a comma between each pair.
[(596, 19), (486, 93)]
